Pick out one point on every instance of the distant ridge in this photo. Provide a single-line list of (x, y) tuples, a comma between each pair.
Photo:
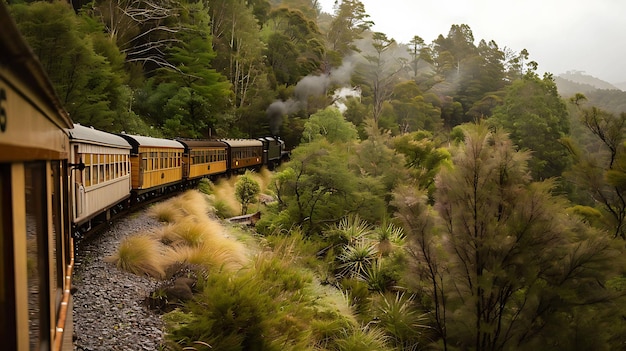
[(599, 93), (621, 85), (581, 77)]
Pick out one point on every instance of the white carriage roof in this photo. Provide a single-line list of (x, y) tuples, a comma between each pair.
[(145, 141), (93, 136), (242, 142)]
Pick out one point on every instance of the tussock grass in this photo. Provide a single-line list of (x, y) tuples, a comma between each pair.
[(140, 254), (363, 339), (263, 177), (226, 202), (190, 203), (193, 203), (225, 255), (165, 212), (190, 231)]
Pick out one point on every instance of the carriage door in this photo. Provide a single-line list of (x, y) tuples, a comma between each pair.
[(37, 254), (79, 184), (7, 287)]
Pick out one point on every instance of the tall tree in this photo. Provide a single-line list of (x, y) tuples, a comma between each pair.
[(295, 47), (203, 93), (416, 47), (142, 29), (412, 110), (84, 79), (600, 167), (533, 112), (517, 267), (381, 71), (240, 49), (348, 25)]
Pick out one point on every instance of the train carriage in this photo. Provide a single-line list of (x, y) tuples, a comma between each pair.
[(101, 185), (37, 256), (244, 154), (203, 158), (156, 164)]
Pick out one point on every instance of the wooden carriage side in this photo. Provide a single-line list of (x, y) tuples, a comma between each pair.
[(155, 162)]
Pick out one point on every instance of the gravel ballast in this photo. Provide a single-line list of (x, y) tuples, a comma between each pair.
[(109, 311)]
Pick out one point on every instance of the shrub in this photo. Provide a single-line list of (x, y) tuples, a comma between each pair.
[(363, 339), (205, 186), (401, 320), (356, 259), (246, 191)]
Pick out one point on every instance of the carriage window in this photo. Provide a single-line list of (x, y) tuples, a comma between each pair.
[(87, 171), (37, 254)]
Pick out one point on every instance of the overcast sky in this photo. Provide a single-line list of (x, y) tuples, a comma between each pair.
[(561, 35)]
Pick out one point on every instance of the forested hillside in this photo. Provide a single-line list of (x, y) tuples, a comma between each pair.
[(446, 189)]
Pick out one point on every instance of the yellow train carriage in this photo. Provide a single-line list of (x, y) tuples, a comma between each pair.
[(155, 162), (203, 158), (36, 250)]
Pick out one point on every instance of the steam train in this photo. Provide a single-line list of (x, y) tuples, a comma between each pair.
[(57, 178)]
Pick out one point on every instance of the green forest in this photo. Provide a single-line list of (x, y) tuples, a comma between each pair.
[(446, 190)]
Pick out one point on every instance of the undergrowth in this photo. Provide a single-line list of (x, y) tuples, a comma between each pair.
[(284, 291)]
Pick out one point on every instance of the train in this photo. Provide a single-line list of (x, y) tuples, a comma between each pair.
[(111, 172), (58, 178)]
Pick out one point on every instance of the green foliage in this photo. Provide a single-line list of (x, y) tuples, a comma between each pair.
[(328, 124), (376, 158), (598, 171), (246, 191), (537, 118), (205, 186), (356, 259), (83, 78), (348, 230), (401, 320), (273, 306), (347, 26), (422, 157), (412, 110), (317, 186), (361, 339), (527, 254)]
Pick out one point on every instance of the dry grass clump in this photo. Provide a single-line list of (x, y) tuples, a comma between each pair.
[(221, 254), (190, 203), (190, 231), (263, 177), (140, 254), (189, 237), (165, 212), (225, 191)]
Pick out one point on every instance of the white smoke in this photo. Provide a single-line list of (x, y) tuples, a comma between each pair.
[(342, 94), (313, 85)]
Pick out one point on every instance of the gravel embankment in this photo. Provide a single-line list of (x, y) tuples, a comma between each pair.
[(109, 309)]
